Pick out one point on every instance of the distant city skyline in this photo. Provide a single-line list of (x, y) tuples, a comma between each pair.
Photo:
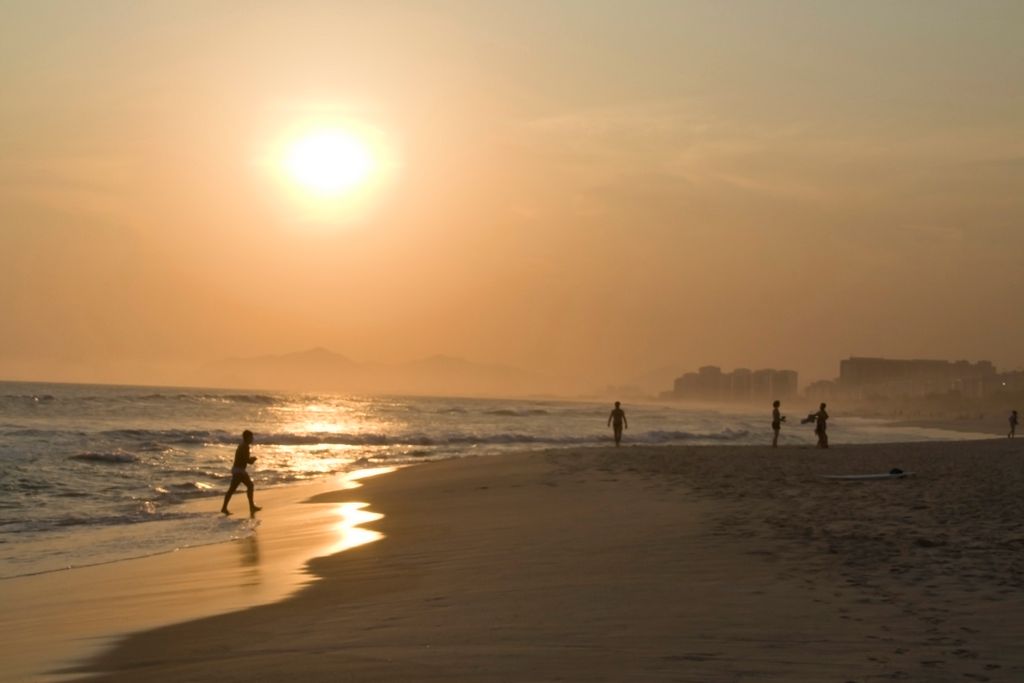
[(709, 383), (857, 378), (862, 378)]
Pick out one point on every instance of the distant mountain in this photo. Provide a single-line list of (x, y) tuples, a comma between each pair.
[(319, 369)]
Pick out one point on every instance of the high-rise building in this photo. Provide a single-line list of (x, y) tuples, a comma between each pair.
[(761, 385), (861, 377), (784, 384), (709, 383), (740, 385), (686, 385)]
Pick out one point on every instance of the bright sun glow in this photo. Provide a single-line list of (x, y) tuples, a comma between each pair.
[(329, 162)]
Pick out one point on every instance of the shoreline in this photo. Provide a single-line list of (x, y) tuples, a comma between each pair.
[(109, 601), (654, 563), (990, 425), (62, 556)]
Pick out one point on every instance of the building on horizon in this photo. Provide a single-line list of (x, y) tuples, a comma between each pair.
[(784, 383), (861, 377), (742, 385), (710, 381), (741, 382), (822, 390)]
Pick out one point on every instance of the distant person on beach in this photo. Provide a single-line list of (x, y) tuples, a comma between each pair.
[(1013, 425), (617, 420), (777, 420), (820, 420), (239, 475)]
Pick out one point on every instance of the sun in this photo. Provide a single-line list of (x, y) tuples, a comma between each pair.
[(331, 170), (329, 162)]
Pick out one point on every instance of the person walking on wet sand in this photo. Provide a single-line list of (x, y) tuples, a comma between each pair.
[(777, 420), (239, 475), (820, 418), (1013, 425), (617, 420)]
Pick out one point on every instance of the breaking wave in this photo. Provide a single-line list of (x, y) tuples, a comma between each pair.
[(114, 457)]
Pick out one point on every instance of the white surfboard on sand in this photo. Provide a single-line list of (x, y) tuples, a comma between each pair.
[(857, 477)]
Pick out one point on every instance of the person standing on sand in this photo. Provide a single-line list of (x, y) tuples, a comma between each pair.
[(820, 418), (1013, 425), (239, 475), (777, 420), (617, 420)]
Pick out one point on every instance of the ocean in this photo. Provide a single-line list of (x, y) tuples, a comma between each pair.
[(95, 473)]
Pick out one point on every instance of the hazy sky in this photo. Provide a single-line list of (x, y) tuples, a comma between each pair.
[(585, 188)]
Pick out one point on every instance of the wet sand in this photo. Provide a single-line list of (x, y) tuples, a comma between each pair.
[(694, 564), (995, 425), (50, 620)]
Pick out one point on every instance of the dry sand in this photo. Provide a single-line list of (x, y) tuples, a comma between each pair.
[(647, 564)]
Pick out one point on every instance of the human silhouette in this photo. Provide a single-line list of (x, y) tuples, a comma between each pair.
[(777, 420), (820, 418), (239, 475), (617, 420), (1013, 425)]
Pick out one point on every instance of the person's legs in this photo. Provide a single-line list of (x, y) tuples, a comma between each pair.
[(250, 488), (618, 434), (235, 481), (775, 439)]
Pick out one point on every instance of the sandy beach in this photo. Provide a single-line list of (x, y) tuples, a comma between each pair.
[(50, 620), (982, 423), (637, 564)]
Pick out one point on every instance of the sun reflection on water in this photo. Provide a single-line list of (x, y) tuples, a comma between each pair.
[(350, 534), (350, 480), (323, 434)]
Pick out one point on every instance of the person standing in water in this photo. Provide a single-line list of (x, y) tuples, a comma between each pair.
[(1013, 425), (777, 420), (820, 418), (617, 420), (239, 475)]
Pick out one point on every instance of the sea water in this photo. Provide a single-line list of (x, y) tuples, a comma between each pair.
[(92, 474)]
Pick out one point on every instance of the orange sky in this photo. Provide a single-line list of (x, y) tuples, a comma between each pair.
[(582, 188)]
